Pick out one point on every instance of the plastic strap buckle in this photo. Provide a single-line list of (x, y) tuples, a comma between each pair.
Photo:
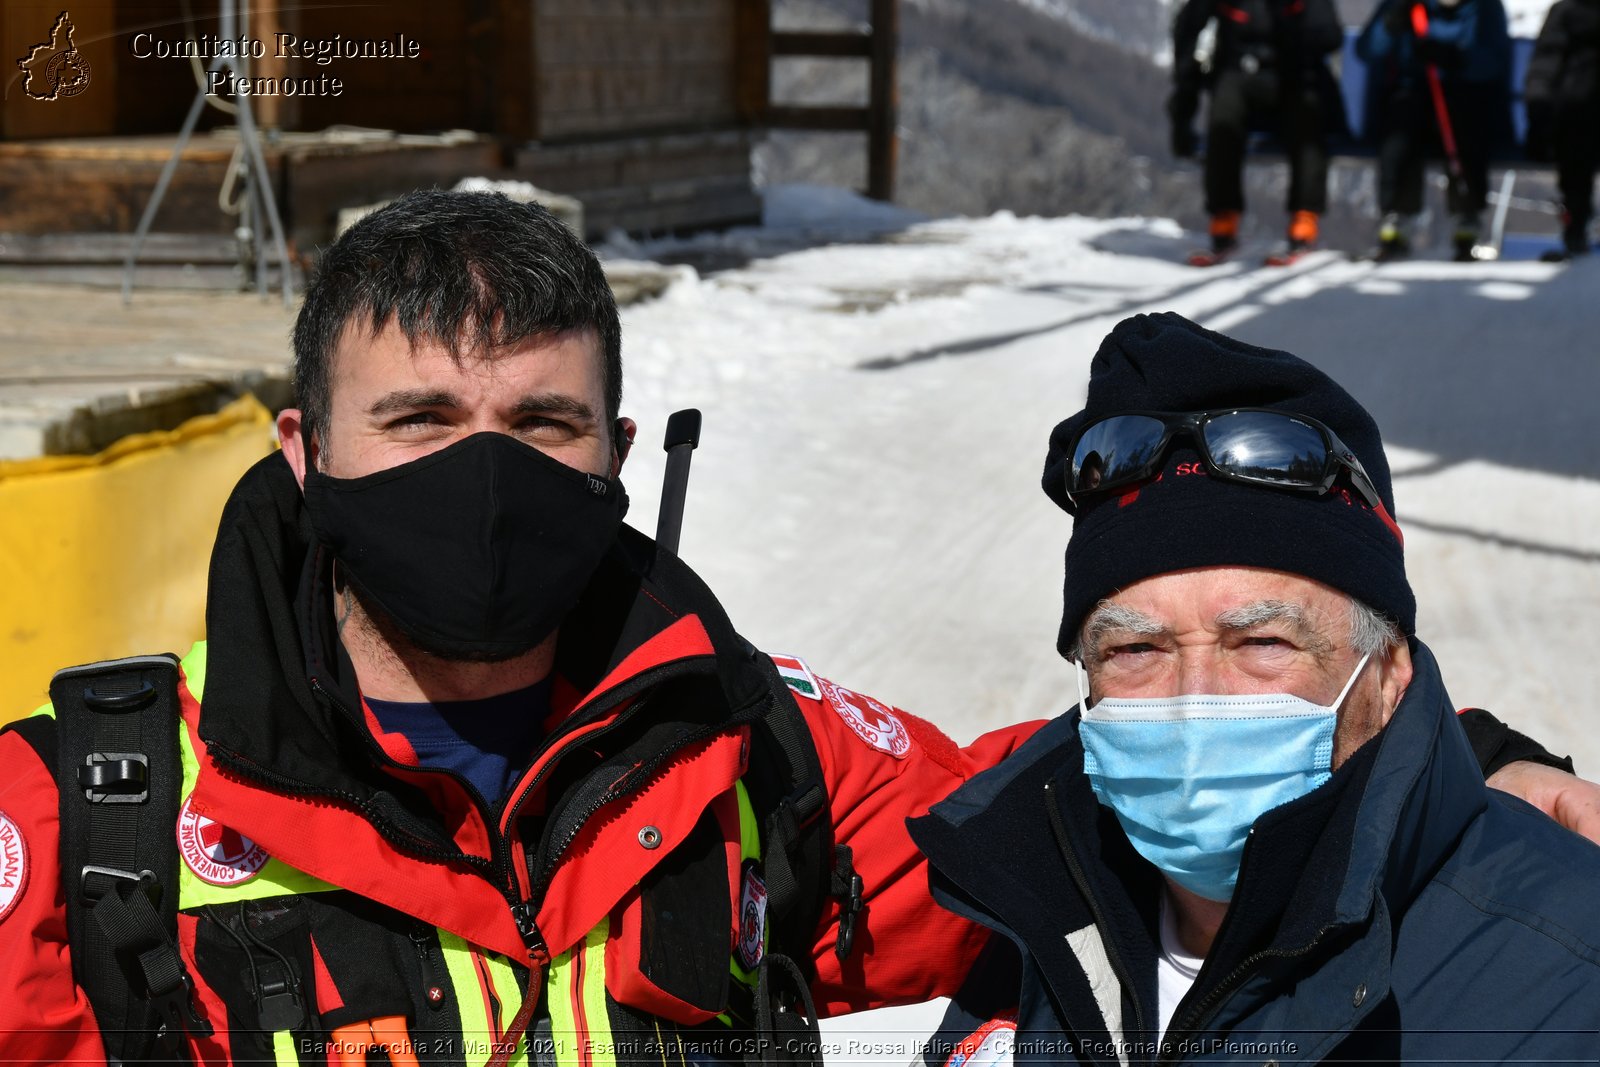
[(115, 777)]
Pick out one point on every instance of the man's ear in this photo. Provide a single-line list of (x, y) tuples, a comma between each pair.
[(1394, 676), (622, 434), (290, 425)]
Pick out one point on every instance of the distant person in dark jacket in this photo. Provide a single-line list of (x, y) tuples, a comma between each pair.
[(1268, 72), (1438, 82), (1263, 835), (1563, 97)]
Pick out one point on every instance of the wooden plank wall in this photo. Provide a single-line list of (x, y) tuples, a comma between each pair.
[(428, 93), (651, 183), (76, 185), (154, 94), (646, 109), (636, 65), (101, 185)]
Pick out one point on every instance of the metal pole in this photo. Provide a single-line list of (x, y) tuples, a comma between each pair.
[(257, 246), (256, 164), (1497, 231), (247, 130), (683, 436), (149, 216), (884, 104)]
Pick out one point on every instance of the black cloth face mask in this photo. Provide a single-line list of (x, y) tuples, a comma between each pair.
[(476, 551)]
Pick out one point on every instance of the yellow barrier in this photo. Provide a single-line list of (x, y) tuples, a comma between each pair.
[(106, 555)]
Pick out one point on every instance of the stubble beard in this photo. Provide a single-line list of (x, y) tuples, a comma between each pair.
[(373, 634)]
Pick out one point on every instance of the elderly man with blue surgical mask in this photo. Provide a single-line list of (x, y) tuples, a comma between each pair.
[(1263, 834)]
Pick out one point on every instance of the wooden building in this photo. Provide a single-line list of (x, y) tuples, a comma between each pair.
[(646, 110)]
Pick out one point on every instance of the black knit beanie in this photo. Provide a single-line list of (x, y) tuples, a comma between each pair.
[(1184, 518)]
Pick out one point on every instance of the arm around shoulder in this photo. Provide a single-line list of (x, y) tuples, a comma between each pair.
[(882, 766), (1517, 764)]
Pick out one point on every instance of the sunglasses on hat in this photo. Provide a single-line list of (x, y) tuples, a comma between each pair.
[(1257, 446)]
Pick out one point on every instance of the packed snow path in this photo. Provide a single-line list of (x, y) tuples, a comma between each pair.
[(866, 495)]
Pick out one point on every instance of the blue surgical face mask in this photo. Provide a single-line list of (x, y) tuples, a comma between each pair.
[(1189, 775)]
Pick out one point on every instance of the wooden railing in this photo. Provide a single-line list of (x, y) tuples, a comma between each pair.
[(877, 119)]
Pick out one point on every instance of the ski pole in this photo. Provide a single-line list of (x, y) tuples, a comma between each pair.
[(1441, 110), (683, 435)]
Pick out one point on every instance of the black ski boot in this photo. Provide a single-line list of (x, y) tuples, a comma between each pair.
[(1465, 239), (1393, 243), (1574, 243)]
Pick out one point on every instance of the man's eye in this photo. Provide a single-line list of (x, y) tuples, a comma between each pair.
[(416, 418), (1262, 641), (1132, 649), (547, 429)]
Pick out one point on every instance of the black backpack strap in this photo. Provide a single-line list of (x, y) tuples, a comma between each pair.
[(790, 798), (786, 1016), (803, 868), (119, 775)]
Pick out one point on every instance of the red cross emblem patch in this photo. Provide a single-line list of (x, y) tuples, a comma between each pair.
[(216, 853)]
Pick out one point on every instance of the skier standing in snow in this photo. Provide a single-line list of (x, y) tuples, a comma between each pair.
[(1268, 70), (1438, 80), (1563, 96)]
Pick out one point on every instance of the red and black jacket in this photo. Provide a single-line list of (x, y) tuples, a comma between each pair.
[(616, 880), (1292, 37)]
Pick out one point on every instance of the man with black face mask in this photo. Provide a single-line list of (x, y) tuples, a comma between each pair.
[(479, 771), (470, 770)]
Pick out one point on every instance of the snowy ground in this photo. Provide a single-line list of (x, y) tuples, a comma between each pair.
[(866, 492), (1526, 16)]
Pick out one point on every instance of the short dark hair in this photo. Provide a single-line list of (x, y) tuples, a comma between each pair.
[(462, 269)]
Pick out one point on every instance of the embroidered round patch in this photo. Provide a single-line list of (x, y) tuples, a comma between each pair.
[(872, 722), (215, 853), (13, 865), (752, 918), (990, 1045)]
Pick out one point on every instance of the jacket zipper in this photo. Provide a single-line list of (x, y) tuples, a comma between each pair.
[(1064, 841), (1203, 1010), (1200, 1012), (433, 987), (578, 803), (1207, 1006), (497, 864), (621, 788), (523, 912), (580, 1018), (292, 787), (490, 995)]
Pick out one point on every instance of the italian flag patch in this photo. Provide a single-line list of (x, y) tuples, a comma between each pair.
[(797, 676)]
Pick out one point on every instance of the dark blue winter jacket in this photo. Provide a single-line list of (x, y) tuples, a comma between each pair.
[(1468, 42), (1401, 912)]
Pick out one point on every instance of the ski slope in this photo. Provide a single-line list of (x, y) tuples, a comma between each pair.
[(876, 411), (1525, 17)]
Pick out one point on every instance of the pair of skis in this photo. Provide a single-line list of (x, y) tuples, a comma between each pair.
[(1285, 258)]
